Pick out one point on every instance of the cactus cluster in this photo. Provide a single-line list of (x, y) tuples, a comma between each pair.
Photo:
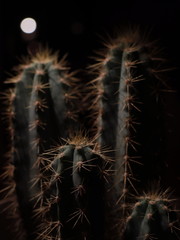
[(79, 154)]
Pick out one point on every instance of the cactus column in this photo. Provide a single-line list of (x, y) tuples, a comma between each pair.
[(71, 200), (42, 113)]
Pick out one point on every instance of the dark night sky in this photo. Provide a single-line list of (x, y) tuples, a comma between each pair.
[(73, 27)]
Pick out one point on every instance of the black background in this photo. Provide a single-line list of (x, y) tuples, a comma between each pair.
[(74, 27)]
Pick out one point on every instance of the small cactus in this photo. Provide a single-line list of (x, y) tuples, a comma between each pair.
[(72, 191), (152, 217)]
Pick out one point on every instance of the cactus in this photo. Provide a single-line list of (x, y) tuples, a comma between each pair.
[(74, 151), (152, 218), (40, 110), (72, 191), (127, 73)]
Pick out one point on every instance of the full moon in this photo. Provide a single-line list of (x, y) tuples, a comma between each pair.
[(28, 25)]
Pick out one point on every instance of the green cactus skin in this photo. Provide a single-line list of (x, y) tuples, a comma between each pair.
[(43, 115), (126, 74), (151, 218), (72, 192)]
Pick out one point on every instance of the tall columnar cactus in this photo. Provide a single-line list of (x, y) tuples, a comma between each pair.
[(126, 115), (41, 114), (127, 76), (74, 150)]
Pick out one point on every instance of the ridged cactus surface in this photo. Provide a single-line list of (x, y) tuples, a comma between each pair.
[(126, 106), (152, 217), (70, 203)]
